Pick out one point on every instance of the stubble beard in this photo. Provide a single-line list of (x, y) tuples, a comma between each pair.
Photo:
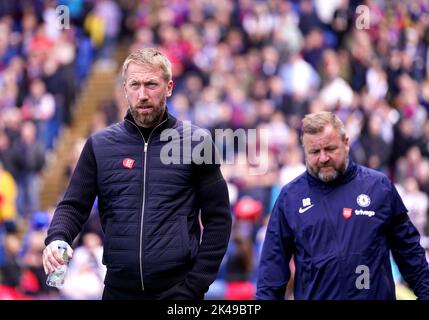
[(329, 178), (151, 119)]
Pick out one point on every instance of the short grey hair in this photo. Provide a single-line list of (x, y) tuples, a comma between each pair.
[(151, 57), (316, 122)]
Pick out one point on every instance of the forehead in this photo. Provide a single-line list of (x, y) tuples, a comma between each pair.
[(142, 72), (329, 136)]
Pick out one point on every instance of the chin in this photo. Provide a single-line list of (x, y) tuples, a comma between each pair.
[(328, 177)]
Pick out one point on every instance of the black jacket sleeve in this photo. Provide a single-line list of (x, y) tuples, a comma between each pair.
[(74, 209), (216, 219)]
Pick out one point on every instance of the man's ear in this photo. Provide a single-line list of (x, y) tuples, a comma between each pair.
[(170, 87), (125, 89)]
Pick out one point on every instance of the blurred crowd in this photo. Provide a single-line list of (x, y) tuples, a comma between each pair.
[(237, 64)]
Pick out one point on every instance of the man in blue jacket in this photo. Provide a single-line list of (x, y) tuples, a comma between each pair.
[(339, 221), (166, 223)]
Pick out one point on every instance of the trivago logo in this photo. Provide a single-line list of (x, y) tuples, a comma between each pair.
[(361, 212)]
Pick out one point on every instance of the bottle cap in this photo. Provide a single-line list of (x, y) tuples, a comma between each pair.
[(62, 245)]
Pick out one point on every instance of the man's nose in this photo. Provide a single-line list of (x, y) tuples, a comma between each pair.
[(142, 93), (323, 157)]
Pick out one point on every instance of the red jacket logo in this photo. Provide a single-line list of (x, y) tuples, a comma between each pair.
[(128, 163), (347, 213)]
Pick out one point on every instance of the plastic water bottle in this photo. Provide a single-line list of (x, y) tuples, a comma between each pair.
[(56, 278)]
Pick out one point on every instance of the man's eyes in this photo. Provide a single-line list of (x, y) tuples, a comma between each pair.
[(150, 85), (329, 149)]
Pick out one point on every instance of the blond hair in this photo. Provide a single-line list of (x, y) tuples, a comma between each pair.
[(314, 123), (151, 57)]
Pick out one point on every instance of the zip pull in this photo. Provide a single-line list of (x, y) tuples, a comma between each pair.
[(145, 147)]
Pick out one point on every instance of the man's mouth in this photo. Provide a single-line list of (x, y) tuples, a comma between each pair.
[(144, 108)]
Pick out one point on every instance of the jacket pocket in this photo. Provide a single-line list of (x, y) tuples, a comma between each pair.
[(106, 242), (185, 236)]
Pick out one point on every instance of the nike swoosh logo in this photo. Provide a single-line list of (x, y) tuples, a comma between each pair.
[(302, 210)]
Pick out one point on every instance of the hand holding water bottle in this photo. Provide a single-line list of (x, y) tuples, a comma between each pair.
[(55, 260)]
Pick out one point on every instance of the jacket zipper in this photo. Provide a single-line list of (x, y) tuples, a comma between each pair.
[(144, 195)]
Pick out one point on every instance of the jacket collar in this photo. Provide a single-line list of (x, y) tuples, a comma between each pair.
[(132, 127), (341, 180)]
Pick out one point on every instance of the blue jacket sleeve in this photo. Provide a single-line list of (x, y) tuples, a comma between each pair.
[(409, 255), (278, 248)]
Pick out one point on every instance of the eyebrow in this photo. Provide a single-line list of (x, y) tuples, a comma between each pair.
[(329, 146), (143, 81)]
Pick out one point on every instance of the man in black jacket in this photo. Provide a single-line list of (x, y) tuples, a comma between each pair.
[(166, 222)]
